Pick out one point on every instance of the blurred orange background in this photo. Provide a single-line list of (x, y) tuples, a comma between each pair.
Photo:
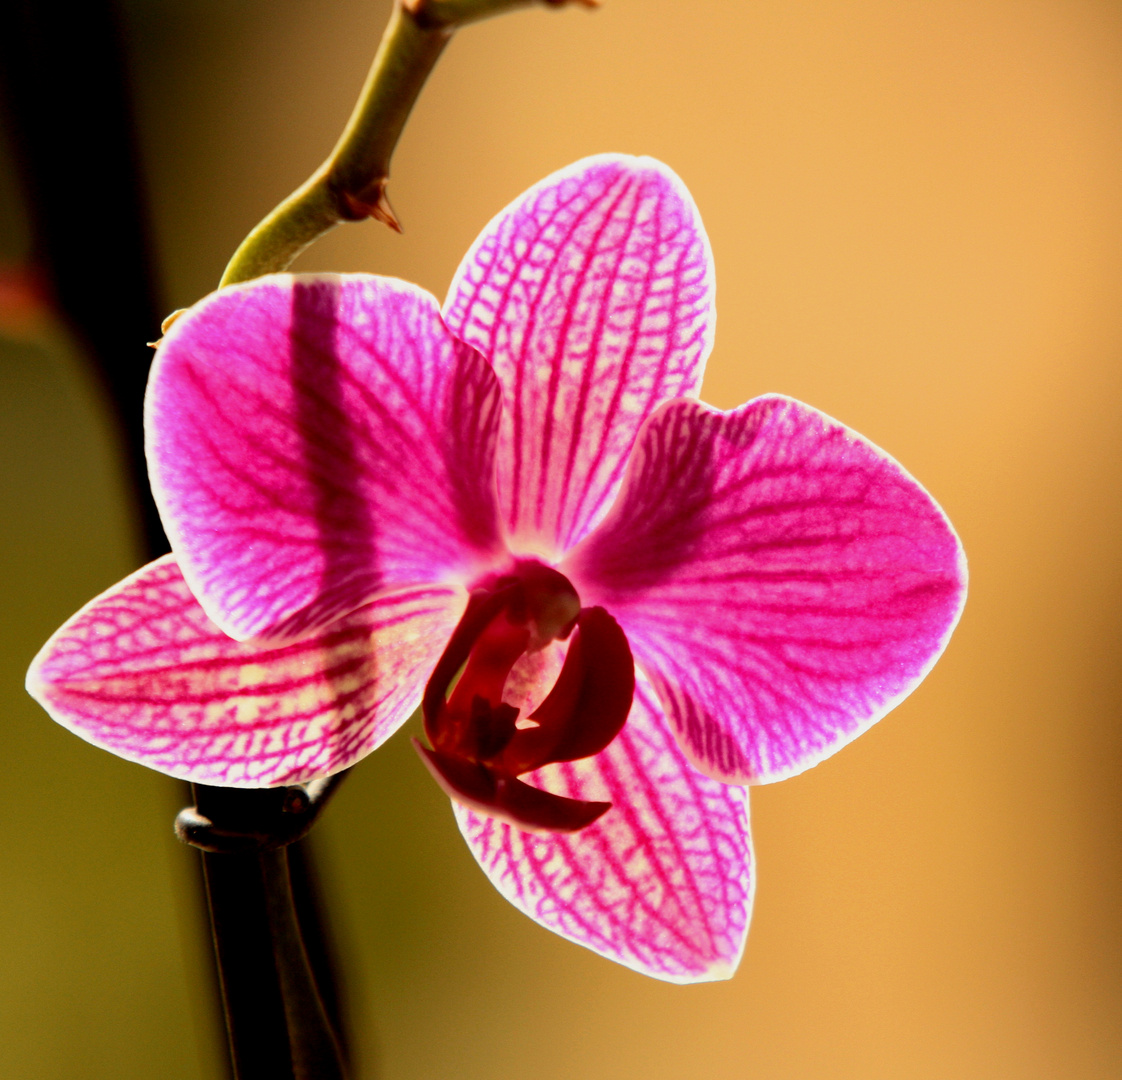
[(916, 214)]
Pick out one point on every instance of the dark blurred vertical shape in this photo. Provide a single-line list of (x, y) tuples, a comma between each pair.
[(63, 79), (279, 992), (250, 980), (66, 99), (67, 105), (321, 948)]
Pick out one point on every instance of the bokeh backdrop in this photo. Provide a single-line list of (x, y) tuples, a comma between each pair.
[(916, 213)]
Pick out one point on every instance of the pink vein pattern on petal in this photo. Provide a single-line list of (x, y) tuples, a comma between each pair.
[(661, 883), (315, 441), (782, 581), (142, 672), (592, 296)]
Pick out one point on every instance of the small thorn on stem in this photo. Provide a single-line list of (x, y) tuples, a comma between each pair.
[(371, 202), (384, 213)]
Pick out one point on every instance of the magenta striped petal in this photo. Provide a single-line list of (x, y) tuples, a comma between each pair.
[(142, 672), (592, 296), (782, 581), (315, 441), (661, 883)]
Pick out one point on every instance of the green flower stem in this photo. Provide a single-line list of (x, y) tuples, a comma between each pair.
[(351, 184)]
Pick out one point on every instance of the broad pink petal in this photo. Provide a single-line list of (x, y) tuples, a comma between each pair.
[(592, 296), (782, 581), (315, 441), (661, 883), (142, 672)]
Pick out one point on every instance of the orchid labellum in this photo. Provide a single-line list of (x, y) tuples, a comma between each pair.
[(617, 604)]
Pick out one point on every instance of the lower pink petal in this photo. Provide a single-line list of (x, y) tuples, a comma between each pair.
[(142, 672), (782, 581), (662, 883)]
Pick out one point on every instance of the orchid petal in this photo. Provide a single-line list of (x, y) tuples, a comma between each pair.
[(592, 296), (661, 883), (782, 581), (141, 671), (316, 441)]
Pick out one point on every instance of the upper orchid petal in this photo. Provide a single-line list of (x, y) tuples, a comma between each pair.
[(592, 296), (316, 441), (661, 883), (782, 581), (143, 672)]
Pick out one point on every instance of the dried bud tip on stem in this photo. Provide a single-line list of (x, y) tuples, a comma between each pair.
[(165, 326), (371, 202)]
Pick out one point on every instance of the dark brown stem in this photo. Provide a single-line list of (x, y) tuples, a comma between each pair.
[(277, 1024), (312, 1042)]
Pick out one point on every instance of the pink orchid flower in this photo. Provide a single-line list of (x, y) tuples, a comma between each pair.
[(653, 602)]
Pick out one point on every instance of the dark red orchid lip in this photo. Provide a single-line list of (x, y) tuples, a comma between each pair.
[(478, 748)]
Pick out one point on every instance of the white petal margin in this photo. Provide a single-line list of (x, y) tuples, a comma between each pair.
[(142, 672), (662, 883)]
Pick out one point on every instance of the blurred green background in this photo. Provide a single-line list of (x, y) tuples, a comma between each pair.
[(916, 213)]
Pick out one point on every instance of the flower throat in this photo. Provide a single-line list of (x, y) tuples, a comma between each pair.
[(479, 746)]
